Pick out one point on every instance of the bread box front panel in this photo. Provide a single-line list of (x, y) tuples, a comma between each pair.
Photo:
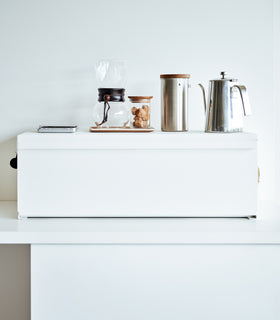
[(137, 175)]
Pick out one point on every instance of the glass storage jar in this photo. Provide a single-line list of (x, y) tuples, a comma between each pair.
[(111, 111), (140, 111)]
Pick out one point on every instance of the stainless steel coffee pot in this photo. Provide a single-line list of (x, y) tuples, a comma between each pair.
[(227, 103)]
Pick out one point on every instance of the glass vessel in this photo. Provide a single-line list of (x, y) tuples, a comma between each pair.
[(111, 111), (140, 111)]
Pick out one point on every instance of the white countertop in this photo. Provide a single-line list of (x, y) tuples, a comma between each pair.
[(137, 230)]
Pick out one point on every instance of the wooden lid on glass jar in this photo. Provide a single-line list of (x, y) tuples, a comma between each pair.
[(140, 99)]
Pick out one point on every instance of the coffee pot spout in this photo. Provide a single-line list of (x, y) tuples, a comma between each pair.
[(204, 95)]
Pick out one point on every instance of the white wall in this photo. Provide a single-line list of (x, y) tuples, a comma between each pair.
[(276, 94), (47, 53), (49, 48)]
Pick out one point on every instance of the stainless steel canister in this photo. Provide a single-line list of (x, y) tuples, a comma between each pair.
[(174, 102)]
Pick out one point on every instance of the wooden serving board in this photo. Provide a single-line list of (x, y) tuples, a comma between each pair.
[(118, 129)]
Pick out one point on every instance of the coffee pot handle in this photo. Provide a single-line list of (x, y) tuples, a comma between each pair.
[(245, 100)]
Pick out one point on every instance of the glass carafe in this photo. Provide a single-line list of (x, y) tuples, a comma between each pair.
[(111, 111)]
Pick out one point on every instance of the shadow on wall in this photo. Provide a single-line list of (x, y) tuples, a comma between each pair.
[(8, 175), (15, 282)]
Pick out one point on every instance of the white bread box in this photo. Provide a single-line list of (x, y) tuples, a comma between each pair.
[(159, 174)]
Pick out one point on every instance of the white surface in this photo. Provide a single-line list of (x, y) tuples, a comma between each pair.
[(137, 175), (276, 90), (139, 230), (154, 140), (48, 50), (125, 282)]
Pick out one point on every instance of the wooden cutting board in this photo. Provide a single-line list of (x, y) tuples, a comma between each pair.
[(118, 129)]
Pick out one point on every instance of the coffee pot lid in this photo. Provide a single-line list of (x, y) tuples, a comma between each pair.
[(223, 78)]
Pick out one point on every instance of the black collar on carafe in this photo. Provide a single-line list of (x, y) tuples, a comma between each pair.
[(109, 94), (114, 93)]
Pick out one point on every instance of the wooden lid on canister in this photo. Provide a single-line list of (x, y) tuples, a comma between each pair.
[(140, 99), (166, 76)]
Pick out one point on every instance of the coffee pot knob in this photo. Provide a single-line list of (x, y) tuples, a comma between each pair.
[(223, 74)]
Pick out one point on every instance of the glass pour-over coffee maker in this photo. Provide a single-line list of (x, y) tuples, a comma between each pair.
[(111, 111)]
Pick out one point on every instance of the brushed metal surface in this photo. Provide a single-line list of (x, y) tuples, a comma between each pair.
[(227, 104), (174, 104)]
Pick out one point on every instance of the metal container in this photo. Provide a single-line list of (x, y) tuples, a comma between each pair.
[(227, 104), (174, 102)]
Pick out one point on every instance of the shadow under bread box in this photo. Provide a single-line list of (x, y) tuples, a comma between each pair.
[(158, 174)]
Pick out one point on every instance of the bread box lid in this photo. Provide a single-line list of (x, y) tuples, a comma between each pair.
[(154, 140)]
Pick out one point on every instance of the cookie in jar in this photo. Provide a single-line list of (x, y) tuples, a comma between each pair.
[(140, 107)]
